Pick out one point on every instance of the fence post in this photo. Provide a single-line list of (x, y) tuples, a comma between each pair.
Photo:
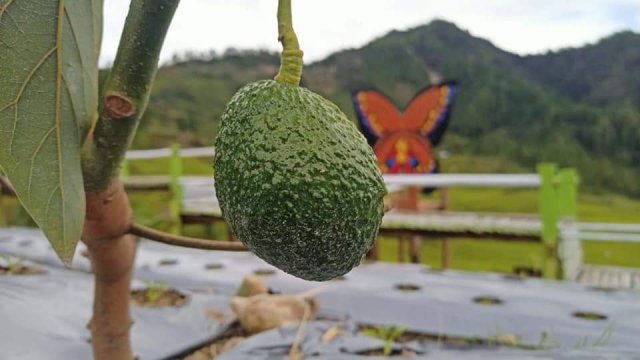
[(548, 209), (569, 247), (125, 171), (175, 189), (567, 193)]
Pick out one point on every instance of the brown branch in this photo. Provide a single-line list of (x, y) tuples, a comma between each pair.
[(184, 241)]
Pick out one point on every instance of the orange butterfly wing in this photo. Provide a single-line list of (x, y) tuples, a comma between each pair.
[(428, 112), (377, 114)]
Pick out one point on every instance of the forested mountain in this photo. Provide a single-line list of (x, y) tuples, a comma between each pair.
[(577, 107)]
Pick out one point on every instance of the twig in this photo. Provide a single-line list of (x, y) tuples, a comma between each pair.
[(294, 353), (159, 236), (184, 241)]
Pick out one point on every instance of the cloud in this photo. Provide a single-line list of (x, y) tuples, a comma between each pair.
[(521, 26)]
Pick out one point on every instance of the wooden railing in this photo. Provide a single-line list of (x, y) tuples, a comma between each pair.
[(556, 226), (557, 191)]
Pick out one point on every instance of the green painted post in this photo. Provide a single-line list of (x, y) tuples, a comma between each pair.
[(175, 204), (548, 209), (567, 194), (569, 244), (125, 170)]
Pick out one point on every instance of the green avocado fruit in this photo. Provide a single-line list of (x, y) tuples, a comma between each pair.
[(296, 180)]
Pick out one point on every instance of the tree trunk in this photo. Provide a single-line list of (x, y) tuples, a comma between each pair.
[(112, 254)]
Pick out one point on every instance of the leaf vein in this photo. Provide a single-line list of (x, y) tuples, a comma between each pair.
[(4, 8), (48, 206), (23, 87), (33, 157), (75, 116), (58, 125), (75, 38)]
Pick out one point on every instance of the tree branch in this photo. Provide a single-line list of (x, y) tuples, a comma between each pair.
[(126, 92), (123, 101), (184, 241)]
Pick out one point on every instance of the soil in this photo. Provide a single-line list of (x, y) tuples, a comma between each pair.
[(404, 354), (226, 342), (158, 298)]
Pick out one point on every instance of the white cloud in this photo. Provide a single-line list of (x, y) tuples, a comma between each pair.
[(522, 26)]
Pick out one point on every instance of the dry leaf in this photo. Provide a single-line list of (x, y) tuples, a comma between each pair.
[(217, 315), (331, 334), (251, 286), (265, 312)]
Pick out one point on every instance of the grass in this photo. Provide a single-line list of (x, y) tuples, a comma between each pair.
[(501, 256), (473, 255)]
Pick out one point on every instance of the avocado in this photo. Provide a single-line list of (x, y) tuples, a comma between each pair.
[(296, 181)]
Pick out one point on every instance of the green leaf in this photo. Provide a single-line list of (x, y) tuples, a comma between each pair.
[(48, 99)]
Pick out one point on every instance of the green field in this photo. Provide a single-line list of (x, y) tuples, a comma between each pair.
[(476, 255)]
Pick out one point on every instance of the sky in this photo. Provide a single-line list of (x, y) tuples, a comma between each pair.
[(326, 26)]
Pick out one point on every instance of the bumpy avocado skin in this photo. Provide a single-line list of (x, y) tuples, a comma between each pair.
[(296, 181)]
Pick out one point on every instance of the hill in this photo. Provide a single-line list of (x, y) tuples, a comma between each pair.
[(577, 107)]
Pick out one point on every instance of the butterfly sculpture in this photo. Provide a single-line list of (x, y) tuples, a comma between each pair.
[(403, 141)]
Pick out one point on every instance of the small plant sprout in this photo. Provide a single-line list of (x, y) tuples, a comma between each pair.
[(12, 266), (389, 334), (154, 291)]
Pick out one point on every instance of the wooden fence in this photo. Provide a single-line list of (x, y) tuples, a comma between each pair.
[(554, 226), (557, 189)]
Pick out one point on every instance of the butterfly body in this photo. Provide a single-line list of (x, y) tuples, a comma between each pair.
[(397, 154)]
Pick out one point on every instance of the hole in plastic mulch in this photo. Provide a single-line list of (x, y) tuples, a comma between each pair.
[(158, 296), (588, 315), (167, 262), (214, 266), (20, 270), (487, 300), (407, 287), (264, 272)]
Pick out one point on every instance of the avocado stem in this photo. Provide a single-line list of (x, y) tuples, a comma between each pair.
[(291, 58)]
